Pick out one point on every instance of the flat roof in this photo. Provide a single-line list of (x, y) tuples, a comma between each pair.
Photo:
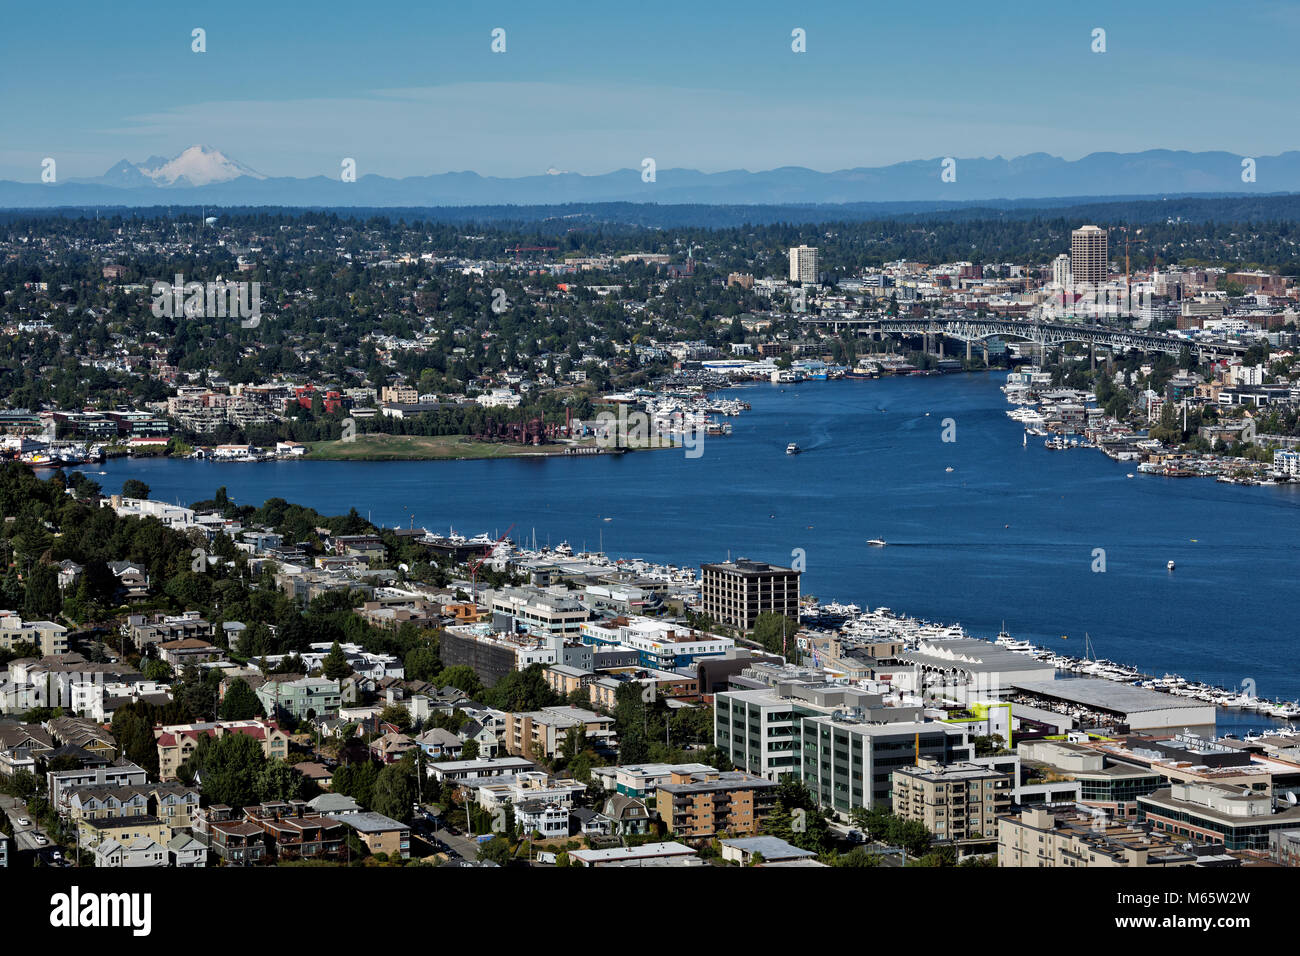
[(971, 654), (1109, 695), (646, 851)]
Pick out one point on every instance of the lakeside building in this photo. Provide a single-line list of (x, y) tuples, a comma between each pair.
[(734, 593), (954, 801), (968, 670), (1119, 704)]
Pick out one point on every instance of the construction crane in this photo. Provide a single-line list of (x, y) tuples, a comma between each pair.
[(518, 249), (1128, 272), (475, 565)]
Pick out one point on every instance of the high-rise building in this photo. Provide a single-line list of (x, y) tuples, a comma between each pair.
[(736, 592), (1061, 271), (803, 264), (1089, 263)]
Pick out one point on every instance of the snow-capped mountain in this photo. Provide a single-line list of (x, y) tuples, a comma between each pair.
[(196, 166)]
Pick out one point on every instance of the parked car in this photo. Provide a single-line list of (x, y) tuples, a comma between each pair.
[(40, 839), (24, 822)]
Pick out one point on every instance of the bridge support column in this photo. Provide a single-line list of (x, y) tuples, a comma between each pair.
[(986, 353), (969, 343), (939, 343), (1092, 355)]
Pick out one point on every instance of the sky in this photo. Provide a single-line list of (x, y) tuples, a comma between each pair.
[(412, 88)]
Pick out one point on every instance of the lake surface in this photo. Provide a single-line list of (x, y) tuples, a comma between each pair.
[(1009, 534)]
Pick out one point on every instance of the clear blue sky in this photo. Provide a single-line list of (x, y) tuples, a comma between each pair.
[(409, 88)]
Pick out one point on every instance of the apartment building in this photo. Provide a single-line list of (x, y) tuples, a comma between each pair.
[(954, 801), (379, 833), (657, 644), (642, 780), (1089, 262), (145, 631), (734, 593), (1043, 837), (706, 803), (177, 742), (803, 264), (541, 733), (62, 784), (843, 741), (301, 698), (541, 611), (47, 637)]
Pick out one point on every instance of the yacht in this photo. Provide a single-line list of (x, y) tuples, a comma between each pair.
[(792, 449), (876, 542)]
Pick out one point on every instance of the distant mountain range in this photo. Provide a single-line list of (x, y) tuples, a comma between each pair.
[(202, 175)]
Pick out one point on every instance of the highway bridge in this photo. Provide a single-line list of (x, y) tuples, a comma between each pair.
[(974, 329)]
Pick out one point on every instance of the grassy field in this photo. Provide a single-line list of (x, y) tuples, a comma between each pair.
[(421, 448)]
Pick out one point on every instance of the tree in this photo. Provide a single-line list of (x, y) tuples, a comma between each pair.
[(394, 792), (335, 666), (277, 781), (396, 715), (240, 702), (775, 632), (43, 597), (134, 488), (462, 678), (496, 850), (158, 670), (797, 819), (469, 751), (231, 767)]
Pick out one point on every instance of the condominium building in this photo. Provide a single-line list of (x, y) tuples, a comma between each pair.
[(302, 698), (541, 610), (1043, 837), (736, 592), (540, 733), (657, 644), (803, 264), (47, 637), (1089, 262), (954, 801), (177, 742), (1061, 271), (704, 804)]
